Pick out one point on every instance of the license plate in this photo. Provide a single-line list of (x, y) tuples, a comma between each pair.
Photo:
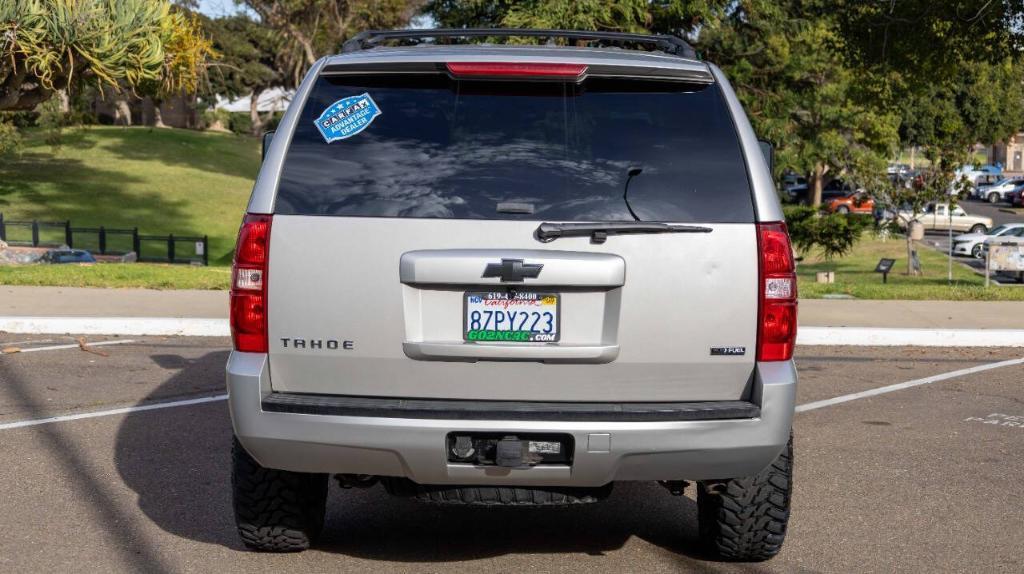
[(516, 317)]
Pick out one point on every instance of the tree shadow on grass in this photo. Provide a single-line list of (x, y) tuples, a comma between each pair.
[(40, 186), (177, 462), (229, 154)]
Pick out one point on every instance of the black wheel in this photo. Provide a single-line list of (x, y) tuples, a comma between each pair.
[(745, 519), (993, 198), (843, 209), (276, 510), (978, 228), (976, 251)]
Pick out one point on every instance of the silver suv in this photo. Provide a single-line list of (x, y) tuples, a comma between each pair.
[(513, 275)]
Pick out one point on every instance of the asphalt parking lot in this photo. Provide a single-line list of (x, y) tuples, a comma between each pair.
[(926, 478)]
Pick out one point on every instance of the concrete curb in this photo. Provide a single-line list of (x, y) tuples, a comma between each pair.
[(191, 327), (200, 327), (892, 337)]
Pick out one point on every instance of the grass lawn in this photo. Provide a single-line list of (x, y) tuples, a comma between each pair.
[(139, 275), (855, 276), (159, 180)]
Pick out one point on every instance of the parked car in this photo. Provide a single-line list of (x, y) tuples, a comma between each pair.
[(937, 217), (833, 189), (470, 335), (60, 256), (857, 202), (794, 187), (998, 191), (1016, 197), (973, 243)]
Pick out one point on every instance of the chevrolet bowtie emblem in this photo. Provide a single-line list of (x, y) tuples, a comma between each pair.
[(513, 270)]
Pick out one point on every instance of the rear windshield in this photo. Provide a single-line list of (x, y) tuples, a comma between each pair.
[(436, 147)]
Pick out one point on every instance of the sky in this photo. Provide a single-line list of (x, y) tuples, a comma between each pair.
[(214, 8)]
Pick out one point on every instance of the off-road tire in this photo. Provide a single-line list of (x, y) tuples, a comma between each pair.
[(745, 519), (276, 510)]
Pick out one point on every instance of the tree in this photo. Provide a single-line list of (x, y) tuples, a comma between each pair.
[(312, 28), (680, 17), (248, 64), (46, 45), (954, 73), (790, 70)]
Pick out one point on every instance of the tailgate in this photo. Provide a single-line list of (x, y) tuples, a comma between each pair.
[(639, 315)]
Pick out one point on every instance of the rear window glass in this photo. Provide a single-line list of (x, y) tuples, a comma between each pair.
[(444, 148)]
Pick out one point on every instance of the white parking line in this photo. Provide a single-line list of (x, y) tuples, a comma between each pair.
[(107, 413), (76, 346), (801, 408), (900, 386)]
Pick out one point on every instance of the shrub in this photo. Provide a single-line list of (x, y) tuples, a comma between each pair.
[(834, 234)]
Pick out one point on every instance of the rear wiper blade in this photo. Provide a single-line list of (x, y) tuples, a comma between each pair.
[(599, 232)]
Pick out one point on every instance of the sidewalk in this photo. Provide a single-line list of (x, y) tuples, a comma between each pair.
[(81, 302)]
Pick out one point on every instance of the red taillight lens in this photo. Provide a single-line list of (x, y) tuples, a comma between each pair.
[(776, 335), (517, 69), (249, 285)]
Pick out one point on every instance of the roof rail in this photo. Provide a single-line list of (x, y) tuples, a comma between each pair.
[(664, 42)]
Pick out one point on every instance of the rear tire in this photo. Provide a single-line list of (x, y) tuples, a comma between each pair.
[(978, 228), (276, 510), (993, 198), (745, 519), (843, 210)]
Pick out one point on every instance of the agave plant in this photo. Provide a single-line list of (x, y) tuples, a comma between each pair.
[(45, 45)]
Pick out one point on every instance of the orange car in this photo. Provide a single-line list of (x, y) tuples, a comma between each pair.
[(857, 202)]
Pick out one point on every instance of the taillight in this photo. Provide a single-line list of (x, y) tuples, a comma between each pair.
[(517, 69), (776, 330), (249, 285)]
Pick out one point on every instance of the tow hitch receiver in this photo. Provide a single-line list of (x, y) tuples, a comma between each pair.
[(509, 451)]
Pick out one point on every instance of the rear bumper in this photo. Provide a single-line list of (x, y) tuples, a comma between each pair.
[(604, 451)]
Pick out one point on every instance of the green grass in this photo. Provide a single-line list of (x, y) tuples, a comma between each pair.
[(112, 275), (855, 276), (159, 180)]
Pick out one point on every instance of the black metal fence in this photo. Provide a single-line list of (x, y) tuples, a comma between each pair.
[(107, 240)]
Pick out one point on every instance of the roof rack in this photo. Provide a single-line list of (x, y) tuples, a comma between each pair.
[(664, 42)]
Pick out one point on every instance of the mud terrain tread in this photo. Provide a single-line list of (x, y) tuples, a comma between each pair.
[(747, 519), (276, 510)]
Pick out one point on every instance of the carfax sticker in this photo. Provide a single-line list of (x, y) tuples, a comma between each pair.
[(347, 117)]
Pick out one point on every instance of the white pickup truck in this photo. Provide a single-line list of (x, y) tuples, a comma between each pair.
[(939, 217)]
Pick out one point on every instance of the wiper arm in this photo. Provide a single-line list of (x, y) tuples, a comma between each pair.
[(599, 232)]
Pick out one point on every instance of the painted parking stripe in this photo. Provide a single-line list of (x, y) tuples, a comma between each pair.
[(75, 346), (800, 408), (900, 386), (107, 413)]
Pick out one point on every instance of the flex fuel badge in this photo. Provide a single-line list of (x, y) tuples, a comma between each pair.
[(347, 117)]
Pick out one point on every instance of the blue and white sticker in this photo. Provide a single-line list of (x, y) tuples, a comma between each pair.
[(347, 117)]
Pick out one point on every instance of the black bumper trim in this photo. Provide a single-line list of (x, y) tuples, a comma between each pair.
[(342, 405)]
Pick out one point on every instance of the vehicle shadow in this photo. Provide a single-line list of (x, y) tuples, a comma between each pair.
[(177, 461)]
